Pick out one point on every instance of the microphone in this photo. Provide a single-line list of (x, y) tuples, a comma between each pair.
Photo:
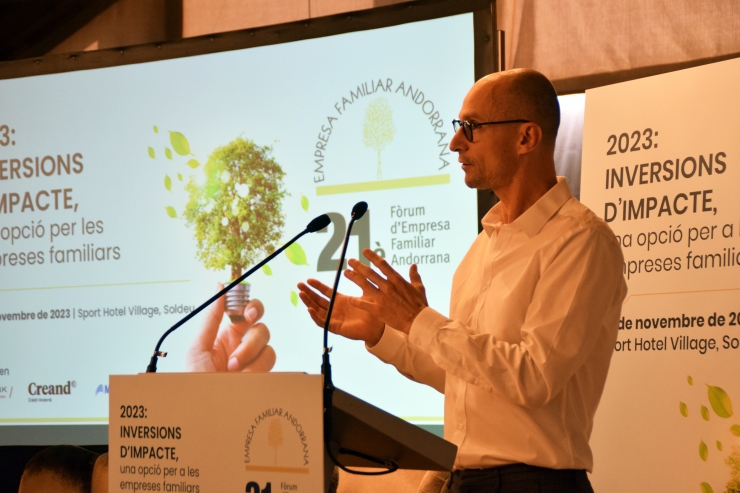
[(358, 211), (316, 224)]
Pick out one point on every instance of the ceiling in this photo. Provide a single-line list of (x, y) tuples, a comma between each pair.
[(30, 28)]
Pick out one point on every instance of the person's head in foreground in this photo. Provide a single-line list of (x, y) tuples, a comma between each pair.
[(59, 469), (100, 475)]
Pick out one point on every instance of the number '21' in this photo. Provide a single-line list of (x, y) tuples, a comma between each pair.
[(361, 229)]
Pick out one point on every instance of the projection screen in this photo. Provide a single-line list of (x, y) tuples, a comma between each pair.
[(128, 192)]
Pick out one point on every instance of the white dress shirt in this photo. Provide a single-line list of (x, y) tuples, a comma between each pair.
[(524, 355)]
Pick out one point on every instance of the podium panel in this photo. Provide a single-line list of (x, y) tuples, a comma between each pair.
[(213, 432), (364, 428)]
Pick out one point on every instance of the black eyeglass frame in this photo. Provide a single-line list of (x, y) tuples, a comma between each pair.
[(469, 126)]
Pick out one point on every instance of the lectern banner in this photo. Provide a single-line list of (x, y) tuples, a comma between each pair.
[(660, 165), (196, 433)]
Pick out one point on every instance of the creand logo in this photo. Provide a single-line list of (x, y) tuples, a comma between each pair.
[(58, 389), (101, 389)]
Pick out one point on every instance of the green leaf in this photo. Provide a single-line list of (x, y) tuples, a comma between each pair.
[(304, 202), (294, 298), (179, 176), (193, 163), (690, 380), (296, 254), (267, 270), (703, 451), (705, 488), (168, 182), (171, 211), (179, 143), (684, 409), (720, 401), (735, 430), (719, 445), (705, 413), (168, 153), (156, 130), (151, 153)]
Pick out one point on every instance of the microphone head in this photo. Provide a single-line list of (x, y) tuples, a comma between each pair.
[(359, 210), (318, 223)]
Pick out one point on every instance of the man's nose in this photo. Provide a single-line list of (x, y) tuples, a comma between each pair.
[(458, 141)]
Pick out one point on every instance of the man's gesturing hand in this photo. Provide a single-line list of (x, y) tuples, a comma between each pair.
[(346, 320), (388, 297), (240, 346)]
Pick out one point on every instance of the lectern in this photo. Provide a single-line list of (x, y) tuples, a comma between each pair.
[(250, 432)]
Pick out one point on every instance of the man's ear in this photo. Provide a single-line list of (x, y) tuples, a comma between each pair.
[(530, 136)]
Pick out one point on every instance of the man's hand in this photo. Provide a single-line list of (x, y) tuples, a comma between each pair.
[(388, 297), (239, 347), (346, 320)]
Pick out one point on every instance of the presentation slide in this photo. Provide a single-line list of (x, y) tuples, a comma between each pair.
[(660, 166), (128, 193)]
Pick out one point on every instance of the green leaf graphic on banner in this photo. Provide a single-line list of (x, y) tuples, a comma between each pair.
[(294, 298), (171, 211), (179, 176), (267, 270), (684, 409), (719, 445), (703, 451), (168, 182), (179, 143), (296, 254), (705, 488), (168, 153), (193, 163), (156, 130), (735, 430), (151, 153), (304, 202), (720, 401), (705, 413), (691, 380)]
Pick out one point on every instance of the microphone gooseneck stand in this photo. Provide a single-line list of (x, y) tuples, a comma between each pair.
[(357, 212), (318, 223)]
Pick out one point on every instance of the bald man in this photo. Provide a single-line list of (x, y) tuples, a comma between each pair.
[(523, 356), (59, 469)]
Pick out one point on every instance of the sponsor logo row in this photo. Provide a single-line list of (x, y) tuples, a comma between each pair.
[(44, 392)]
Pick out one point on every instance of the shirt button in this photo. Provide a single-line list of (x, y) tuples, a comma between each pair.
[(461, 426)]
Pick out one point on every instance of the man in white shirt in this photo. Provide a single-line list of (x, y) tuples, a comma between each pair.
[(523, 357)]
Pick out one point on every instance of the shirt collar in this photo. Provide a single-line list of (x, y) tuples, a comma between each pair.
[(534, 218)]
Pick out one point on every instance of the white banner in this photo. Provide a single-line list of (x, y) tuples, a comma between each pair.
[(195, 433), (660, 165)]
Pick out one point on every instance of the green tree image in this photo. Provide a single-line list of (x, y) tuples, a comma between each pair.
[(378, 129), (237, 213)]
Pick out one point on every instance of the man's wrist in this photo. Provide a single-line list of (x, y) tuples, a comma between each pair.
[(406, 328), (376, 337)]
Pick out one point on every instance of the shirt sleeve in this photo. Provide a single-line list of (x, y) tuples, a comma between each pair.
[(578, 290), (411, 362)]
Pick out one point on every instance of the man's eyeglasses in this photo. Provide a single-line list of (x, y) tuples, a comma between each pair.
[(469, 126)]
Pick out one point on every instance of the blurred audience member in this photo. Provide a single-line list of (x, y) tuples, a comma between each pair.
[(100, 475), (59, 469)]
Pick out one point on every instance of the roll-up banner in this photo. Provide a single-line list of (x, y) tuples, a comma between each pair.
[(660, 165)]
